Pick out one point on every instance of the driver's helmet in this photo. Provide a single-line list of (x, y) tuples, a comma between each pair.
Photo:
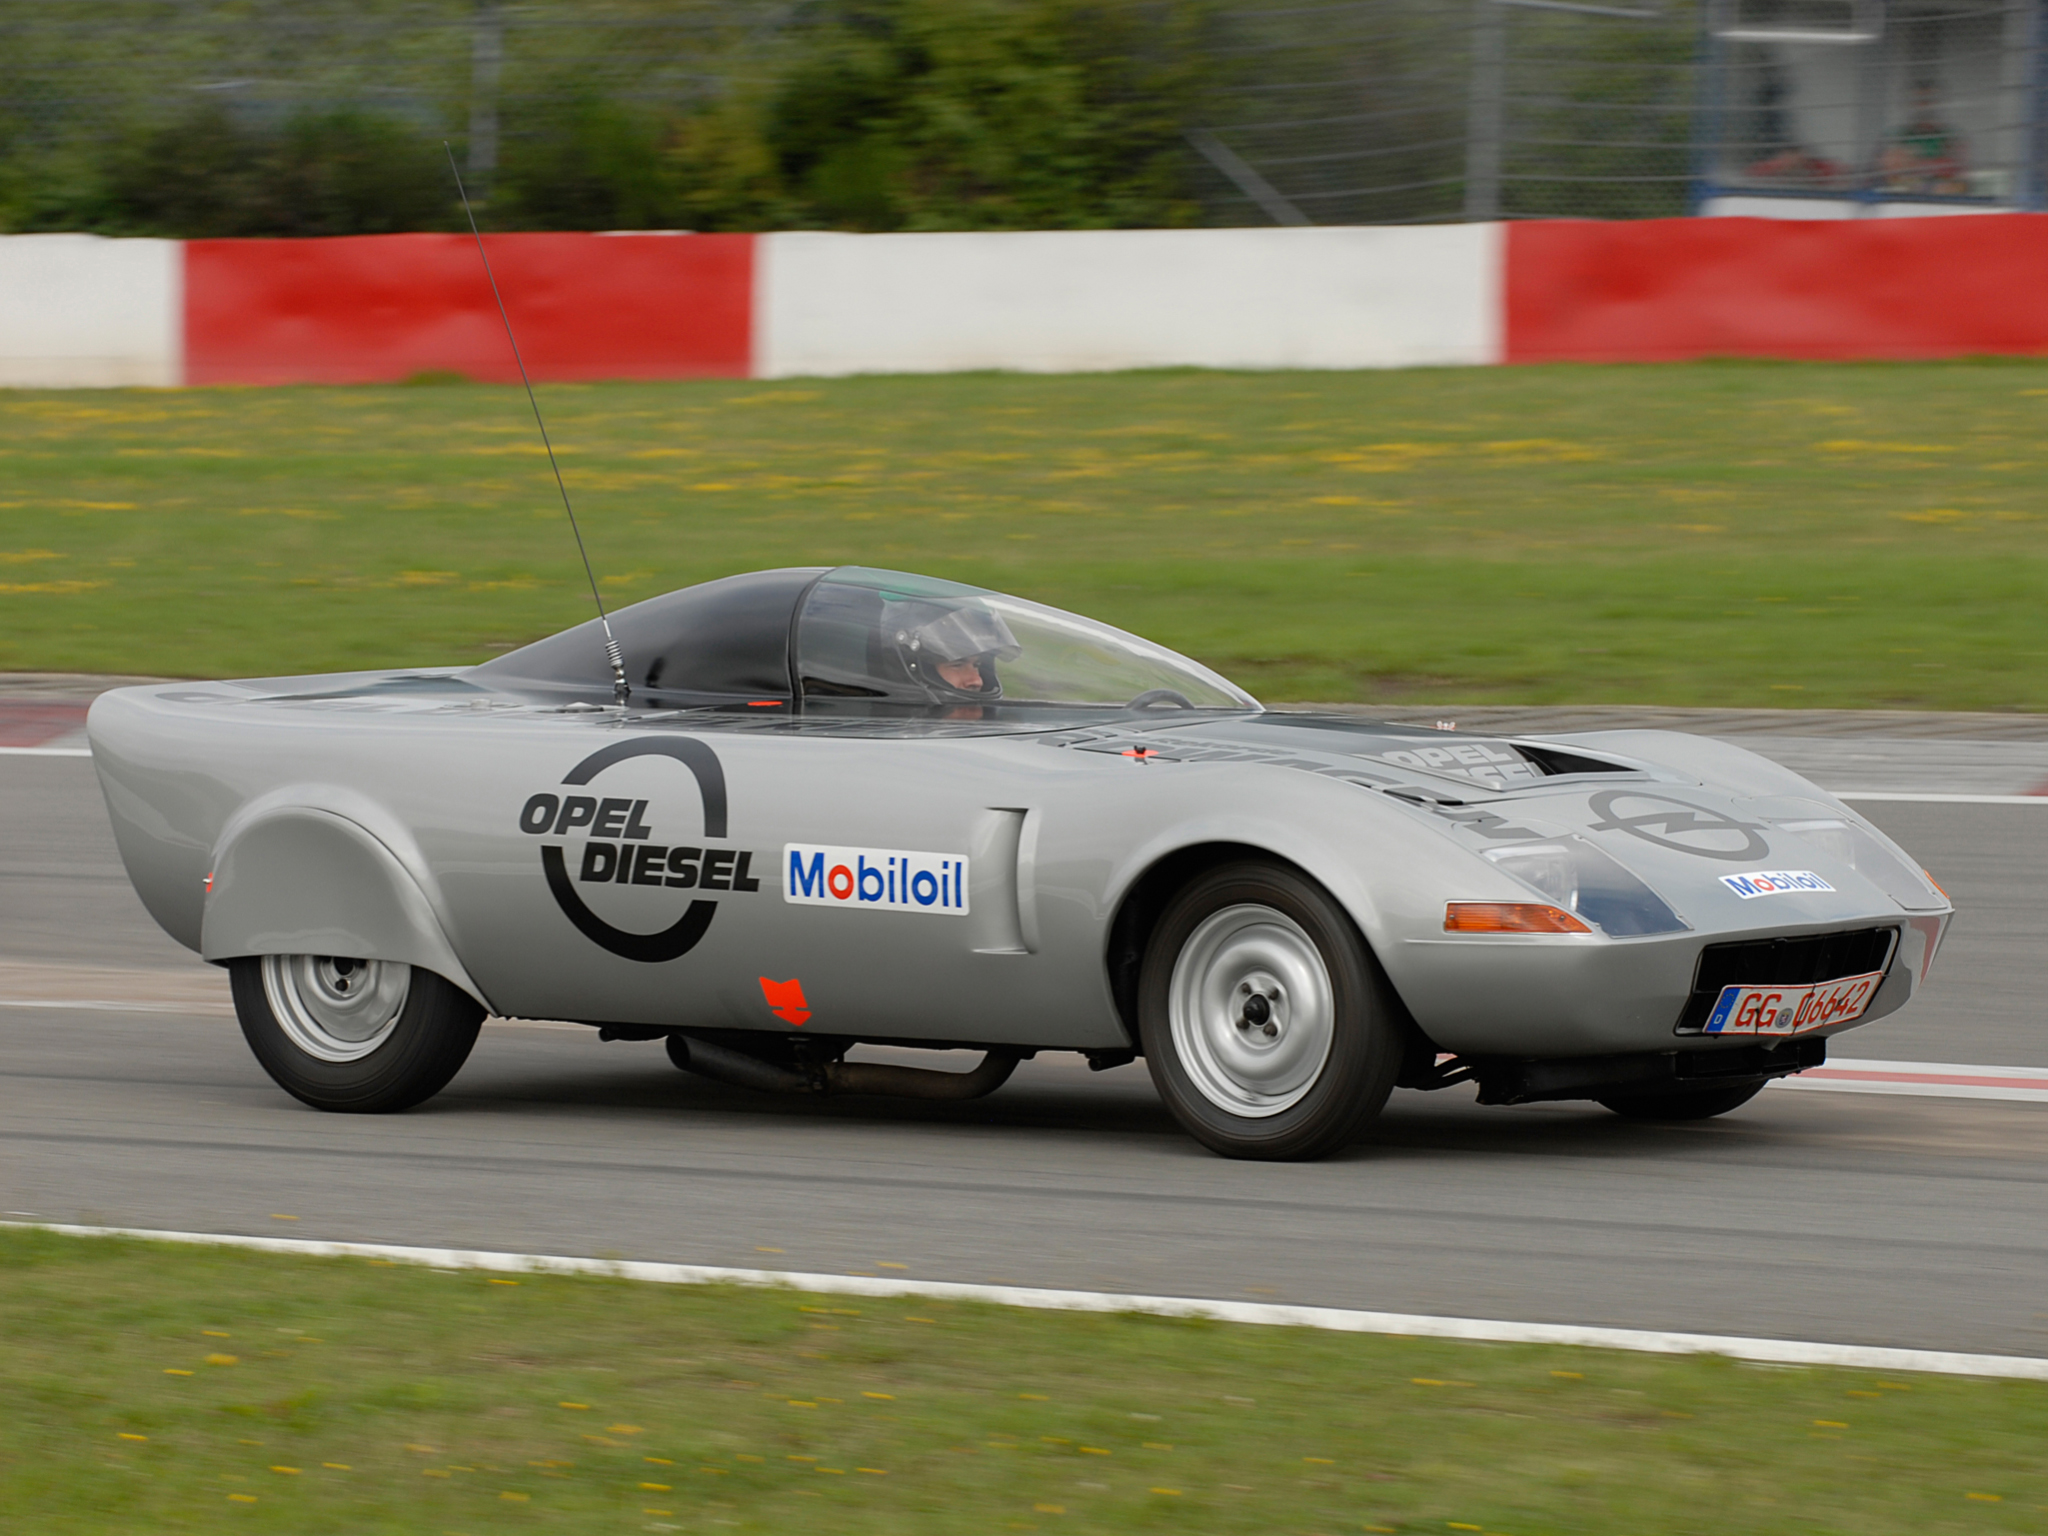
[(930, 631)]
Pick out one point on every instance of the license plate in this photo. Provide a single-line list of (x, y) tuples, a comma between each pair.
[(1791, 1010)]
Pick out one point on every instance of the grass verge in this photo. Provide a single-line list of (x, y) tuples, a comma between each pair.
[(1732, 534), (158, 1387)]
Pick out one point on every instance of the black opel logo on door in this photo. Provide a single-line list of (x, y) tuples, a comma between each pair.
[(681, 936), (1678, 826)]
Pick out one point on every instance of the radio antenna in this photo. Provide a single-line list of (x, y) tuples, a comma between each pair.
[(620, 689)]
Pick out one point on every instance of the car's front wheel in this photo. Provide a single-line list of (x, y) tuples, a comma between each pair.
[(1266, 1023), (363, 1036)]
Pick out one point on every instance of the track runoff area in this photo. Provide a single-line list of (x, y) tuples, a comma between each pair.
[(57, 735), (1258, 1314)]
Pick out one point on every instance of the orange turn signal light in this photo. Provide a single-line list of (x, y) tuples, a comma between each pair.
[(1936, 884), (1509, 917)]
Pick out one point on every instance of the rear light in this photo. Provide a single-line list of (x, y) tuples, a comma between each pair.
[(1509, 917), (1937, 886)]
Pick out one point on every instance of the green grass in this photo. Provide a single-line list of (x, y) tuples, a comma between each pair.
[(1723, 533), (156, 1387)]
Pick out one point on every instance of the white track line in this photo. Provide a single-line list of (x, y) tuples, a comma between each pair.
[(1331, 1319), (1915, 797), (1935, 1079), (45, 751)]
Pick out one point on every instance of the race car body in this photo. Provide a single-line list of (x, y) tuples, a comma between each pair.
[(851, 805)]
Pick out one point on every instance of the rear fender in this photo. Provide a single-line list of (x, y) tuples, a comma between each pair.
[(300, 880)]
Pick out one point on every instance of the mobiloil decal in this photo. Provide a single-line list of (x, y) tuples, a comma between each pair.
[(1774, 882), (881, 879), (621, 849)]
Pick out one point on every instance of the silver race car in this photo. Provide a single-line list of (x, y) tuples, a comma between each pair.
[(846, 806)]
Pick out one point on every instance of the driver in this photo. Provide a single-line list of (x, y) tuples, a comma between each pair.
[(950, 647)]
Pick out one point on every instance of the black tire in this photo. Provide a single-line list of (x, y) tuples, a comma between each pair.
[(435, 1029), (1322, 1106), (1690, 1104)]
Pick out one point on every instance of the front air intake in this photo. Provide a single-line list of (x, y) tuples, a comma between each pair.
[(1811, 958)]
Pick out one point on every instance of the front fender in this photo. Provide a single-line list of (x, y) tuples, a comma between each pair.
[(302, 881)]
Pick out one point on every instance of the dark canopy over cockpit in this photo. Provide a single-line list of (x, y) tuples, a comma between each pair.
[(850, 640)]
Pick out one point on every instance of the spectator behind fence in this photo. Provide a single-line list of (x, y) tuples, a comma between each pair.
[(1796, 165), (1926, 155)]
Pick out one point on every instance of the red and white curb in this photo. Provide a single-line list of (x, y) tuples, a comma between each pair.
[(1933, 1079), (1265, 1314)]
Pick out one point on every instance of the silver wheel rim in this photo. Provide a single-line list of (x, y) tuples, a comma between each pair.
[(335, 1008), (1252, 1059)]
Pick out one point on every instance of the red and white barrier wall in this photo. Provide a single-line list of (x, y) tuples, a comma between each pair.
[(78, 310)]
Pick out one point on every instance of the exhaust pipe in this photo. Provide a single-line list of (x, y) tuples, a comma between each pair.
[(723, 1064), (920, 1082)]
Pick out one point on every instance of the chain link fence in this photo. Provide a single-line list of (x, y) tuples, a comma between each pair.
[(1361, 112)]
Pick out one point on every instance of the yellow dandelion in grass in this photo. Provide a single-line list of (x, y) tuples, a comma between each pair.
[(241, 1498), (1986, 1498), (124, 1435), (624, 1429), (659, 1461), (287, 1471), (172, 1370), (215, 1333), (222, 1360), (515, 1498), (336, 1466), (872, 1471), (1829, 1424), (504, 1282), (1171, 1493), (1459, 1525), (883, 1397), (655, 1488), (1093, 1450), (835, 1471), (1321, 1461), (1569, 1375), (581, 1407)]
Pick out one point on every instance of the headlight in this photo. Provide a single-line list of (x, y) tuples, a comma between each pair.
[(1580, 878), (1856, 847)]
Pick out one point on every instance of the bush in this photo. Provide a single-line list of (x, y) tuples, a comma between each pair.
[(582, 162), (982, 114), (334, 173)]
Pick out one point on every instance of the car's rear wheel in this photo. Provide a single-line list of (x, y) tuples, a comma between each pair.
[(1266, 1023), (363, 1036), (1691, 1104)]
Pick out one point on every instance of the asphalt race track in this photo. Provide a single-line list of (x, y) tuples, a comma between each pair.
[(127, 1098)]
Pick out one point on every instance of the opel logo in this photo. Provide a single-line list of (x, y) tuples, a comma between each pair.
[(681, 936), (1678, 826)]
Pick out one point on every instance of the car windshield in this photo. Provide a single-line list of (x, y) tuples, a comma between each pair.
[(878, 641)]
